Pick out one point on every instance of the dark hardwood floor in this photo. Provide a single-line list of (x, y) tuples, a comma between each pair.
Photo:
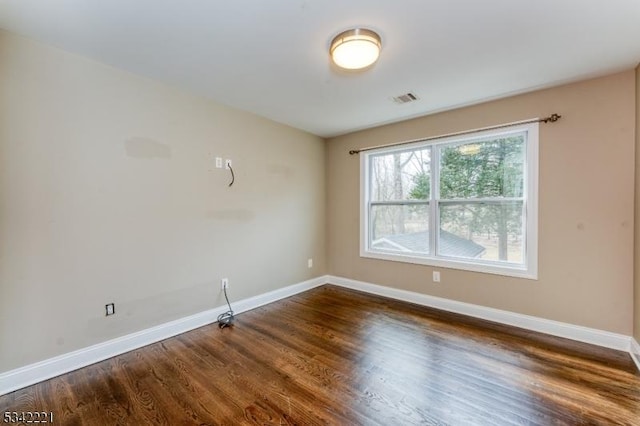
[(339, 357)]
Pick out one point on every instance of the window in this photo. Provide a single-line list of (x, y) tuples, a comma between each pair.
[(462, 202)]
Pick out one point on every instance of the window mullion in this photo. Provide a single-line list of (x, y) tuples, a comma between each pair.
[(493, 200), (399, 203), (435, 195)]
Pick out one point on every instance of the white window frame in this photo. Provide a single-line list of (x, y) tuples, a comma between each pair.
[(528, 269)]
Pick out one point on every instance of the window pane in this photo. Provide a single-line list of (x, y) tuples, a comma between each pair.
[(401, 176), (402, 228), (489, 168), (482, 231)]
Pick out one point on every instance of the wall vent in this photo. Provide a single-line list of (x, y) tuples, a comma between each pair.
[(405, 98)]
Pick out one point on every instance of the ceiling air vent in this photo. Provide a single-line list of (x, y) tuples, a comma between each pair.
[(406, 98)]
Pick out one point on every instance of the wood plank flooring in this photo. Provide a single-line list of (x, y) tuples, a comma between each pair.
[(333, 356)]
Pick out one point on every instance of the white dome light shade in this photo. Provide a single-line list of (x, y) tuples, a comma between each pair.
[(355, 49)]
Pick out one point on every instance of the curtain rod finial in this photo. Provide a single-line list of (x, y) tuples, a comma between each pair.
[(552, 118), (354, 151)]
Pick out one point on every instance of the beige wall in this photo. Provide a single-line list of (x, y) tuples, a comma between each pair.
[(107, 194), (586, 206), (636, 298)]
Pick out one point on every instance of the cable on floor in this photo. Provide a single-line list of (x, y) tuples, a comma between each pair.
[(226, 319)]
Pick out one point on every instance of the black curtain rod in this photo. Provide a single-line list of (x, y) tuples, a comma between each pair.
[(550, 119)]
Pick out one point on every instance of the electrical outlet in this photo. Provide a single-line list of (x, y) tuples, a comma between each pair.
[(436, 276), (224, 283), (110, 308), (227, 164), (310, 263), (218, 162)]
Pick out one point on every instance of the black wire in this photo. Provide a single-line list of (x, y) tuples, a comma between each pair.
[(226, 319), (233, 179)]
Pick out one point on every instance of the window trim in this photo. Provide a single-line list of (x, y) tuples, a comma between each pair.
[(528, 270)]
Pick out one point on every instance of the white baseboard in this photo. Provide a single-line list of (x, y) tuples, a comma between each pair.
[(554, 328), (635, 352), (272, 296), (43, 370)]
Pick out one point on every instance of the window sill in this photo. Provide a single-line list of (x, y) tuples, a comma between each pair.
[(508, 271)]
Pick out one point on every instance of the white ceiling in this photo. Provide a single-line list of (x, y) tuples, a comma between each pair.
[(270, 56)]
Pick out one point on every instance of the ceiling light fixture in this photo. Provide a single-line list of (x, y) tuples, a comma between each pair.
[(355, 49)]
